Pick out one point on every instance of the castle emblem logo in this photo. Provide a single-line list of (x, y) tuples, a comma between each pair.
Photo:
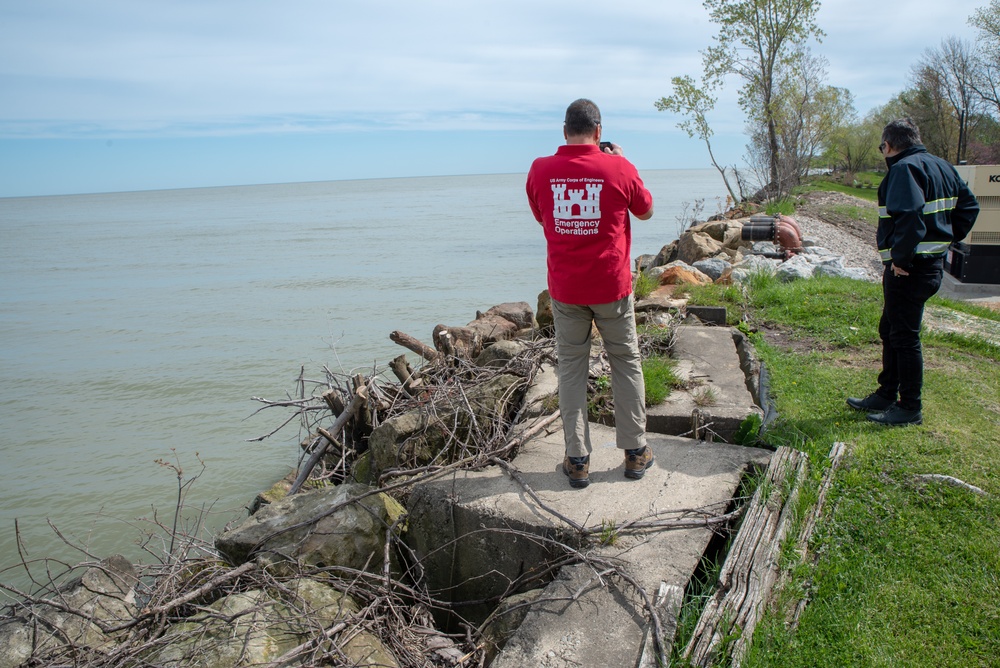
[(577, 203), (576, 209)]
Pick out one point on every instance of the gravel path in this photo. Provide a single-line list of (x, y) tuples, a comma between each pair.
[(838, 233)]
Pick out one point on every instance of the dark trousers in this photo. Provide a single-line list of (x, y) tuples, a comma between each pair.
[(899, 329)]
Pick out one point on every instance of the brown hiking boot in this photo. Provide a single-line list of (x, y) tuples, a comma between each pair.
[(637, 461), (578, 470)]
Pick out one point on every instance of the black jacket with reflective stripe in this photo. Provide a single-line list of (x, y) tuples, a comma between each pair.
[(923, 206)]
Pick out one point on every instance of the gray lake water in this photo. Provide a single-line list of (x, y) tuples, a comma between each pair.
[(136, 327)]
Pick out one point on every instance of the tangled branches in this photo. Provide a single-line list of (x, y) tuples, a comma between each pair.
[(193, 607)]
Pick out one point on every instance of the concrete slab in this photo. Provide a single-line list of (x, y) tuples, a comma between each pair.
[(715, 315), (952, 288), (707, 359), (475, 532), (660, 300), (543, 393)]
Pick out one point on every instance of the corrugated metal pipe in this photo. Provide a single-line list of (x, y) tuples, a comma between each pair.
[(781, 230)]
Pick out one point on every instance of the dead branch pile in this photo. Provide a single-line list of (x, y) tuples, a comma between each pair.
[(383, 613)]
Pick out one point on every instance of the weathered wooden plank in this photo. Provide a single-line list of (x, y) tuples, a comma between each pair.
[(751, 567)]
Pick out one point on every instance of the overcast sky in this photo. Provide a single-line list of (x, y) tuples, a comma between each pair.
[(110, 95)]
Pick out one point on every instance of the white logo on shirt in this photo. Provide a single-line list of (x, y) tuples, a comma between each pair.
[(576, 210)]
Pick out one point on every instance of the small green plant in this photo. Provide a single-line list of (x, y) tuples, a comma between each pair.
[(660, 378), (609, 533), (600, 407), (704, 397), (644, 285), (748, 433)]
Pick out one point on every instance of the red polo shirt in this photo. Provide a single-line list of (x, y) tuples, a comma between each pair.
[(582, 197)]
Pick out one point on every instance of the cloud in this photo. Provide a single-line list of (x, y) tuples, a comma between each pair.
[(124, 66), (188, 68)]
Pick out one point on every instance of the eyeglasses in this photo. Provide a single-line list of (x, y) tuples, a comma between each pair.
[(881, 147)]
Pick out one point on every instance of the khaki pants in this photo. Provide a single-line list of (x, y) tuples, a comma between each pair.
[(616, 323)]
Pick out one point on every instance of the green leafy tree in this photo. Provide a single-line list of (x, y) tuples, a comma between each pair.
[(854, 147), (756, 39)]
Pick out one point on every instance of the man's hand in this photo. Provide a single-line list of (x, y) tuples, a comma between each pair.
[(896, 271)]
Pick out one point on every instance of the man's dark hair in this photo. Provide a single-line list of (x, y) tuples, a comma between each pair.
[(901, 134), (582, 118)]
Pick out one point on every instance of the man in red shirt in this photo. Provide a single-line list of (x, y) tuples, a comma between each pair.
[(582, 197)]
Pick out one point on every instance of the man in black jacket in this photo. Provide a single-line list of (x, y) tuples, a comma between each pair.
[(924, 205)]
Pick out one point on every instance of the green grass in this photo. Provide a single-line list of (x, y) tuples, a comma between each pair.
[(644, 285), (870, 179), (785, 206), (865, 214), (901, 571), (660, 378)]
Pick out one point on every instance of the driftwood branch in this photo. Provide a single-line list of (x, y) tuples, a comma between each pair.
[(360, 396), (334, 401), (194, 594), (949, 480), (416, 346), (404, 372)]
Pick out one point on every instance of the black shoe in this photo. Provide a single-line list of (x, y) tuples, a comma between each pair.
[(873, 402), (896, 416)]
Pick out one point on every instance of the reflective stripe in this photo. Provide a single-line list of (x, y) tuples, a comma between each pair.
[(940, 205), (923, 248), (930, 247), (930, 208)]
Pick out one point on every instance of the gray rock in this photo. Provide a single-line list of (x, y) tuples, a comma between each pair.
[(518, 313), (501, 352), (320, 528), (795, 268), (666, 255), (842, 272), (694, 246), (544, 311), (255, 628), (644, 262), (712, 267), (656, 272), (814, 250), (753, 264), (105, 593)]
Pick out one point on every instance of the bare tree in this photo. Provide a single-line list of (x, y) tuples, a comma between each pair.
[(950, 74), (808, 112), (695, 104)]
